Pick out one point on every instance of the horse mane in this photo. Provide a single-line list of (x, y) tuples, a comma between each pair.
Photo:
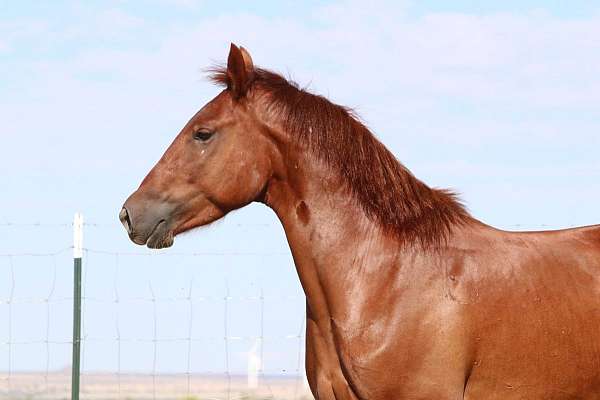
[(385, 189)]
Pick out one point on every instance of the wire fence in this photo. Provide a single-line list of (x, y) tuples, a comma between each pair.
[(140, 318), (145, 337)]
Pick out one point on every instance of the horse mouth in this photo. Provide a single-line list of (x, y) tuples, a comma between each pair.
[(160, 237)]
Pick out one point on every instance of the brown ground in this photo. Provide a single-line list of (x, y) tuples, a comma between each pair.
[(99, 386)]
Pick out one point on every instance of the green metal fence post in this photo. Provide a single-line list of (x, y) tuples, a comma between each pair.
[(77, 256)]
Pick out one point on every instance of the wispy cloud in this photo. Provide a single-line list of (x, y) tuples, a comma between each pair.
[(183, 3), (502, 81)]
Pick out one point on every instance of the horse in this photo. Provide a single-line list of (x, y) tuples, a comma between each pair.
[(407, 295)]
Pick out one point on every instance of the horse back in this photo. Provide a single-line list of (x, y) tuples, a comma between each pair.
[(533, 306)]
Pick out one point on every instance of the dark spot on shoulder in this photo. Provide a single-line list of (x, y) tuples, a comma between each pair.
[(303, 212)]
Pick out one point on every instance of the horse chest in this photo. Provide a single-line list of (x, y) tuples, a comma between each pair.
[(384, 357)]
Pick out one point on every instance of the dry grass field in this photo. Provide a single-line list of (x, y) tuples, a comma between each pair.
[(99, 386)]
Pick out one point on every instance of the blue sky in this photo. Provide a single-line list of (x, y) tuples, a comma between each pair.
[(499, 100)]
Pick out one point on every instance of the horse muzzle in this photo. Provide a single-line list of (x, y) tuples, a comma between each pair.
[(147, 222)]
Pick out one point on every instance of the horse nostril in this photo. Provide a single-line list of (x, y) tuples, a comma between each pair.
[(124, 217)]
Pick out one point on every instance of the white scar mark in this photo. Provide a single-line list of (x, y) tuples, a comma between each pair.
[(202, 152)]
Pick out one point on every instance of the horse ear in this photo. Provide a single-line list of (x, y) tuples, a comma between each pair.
[(247, 61), (240, 71)]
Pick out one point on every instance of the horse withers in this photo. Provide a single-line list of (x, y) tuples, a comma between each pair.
[(407, 295)]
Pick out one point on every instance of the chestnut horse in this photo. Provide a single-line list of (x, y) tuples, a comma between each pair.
[(407, 295)]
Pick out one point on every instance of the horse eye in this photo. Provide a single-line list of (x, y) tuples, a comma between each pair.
[(203, 135)]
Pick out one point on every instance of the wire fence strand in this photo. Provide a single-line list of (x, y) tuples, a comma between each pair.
[(47, 300), (117, 324), (10, 320)]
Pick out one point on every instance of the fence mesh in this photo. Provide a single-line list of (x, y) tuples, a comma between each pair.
[(147, 333)]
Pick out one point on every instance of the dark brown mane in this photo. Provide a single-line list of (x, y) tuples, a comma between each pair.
[(385, 189)]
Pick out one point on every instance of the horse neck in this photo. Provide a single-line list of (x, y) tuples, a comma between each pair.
[(329, 234)]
